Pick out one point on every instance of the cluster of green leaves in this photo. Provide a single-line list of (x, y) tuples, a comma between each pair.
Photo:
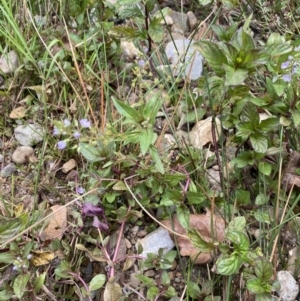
[(237, 256)]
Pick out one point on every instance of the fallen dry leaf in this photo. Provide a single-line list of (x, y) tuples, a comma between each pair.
[(17, 113), (113, 291), (201, 133), (203, 224), (57, 224), (40, 258)]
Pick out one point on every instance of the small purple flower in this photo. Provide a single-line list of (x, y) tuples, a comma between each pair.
[(76, 135), (56, 131), (141, 63), (67, 122), (15, 268), (285, 65), (80, 190), (100, 225), (287, 78), (61, 144), (89, 209), (85, 123)]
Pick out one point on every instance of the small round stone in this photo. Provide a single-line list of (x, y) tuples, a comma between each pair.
[(21, 154)]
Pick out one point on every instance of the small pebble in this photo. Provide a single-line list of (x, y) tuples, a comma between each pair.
[(141, 233), (150, 273), (135, 229), (21, 154), (193, 22), (178, 280), (8, 170), (128, 243)]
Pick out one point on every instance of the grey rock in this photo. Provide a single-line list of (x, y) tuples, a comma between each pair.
[(174, 36), (9, 62), (21, 153), (213, 177), (289, 288), (1, 158), (182, 54), (176, 28), (156, 240), (8, 170), (29, 135), (193, 22), (1, 143), (182, 19)]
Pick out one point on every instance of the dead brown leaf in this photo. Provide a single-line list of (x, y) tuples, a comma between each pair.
[(17, 113), (113, 291), (203, 224), (57, 224)]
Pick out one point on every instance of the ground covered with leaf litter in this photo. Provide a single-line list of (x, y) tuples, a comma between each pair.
[(150, 150)]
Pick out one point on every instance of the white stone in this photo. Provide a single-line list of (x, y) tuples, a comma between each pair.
[(21, 154), (29, 135), (183, 54), (168, 20), (289, 288), (156, 240), (192, 20), (9, 62)]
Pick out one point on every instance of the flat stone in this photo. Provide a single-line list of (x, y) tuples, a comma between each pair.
[(289, 288), (21, 154), (158, 239), (8, 170), (9, 62), (29, 135), (69, 165)]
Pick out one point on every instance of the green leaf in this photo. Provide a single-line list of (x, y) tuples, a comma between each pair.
[(243, 159), (235, 77), (229, 266), (198, 242), (244, 130), (120, 185), (193, 290), (224, 34), (268, 124), (151, 108), (97, 282), (195, 198), (156, 31), (263, 269), (7, 257), (242, 40), (89, 152), (259, 142), (128, 12), (279, 87), (242, 196), (156, 158), (265, 168), (214, 56), (146, 280), (39, 282), (255, 286), (63, 269), (170, 292), (237, 224), (5, 295), (152, 293), (296, 117), (262, 217), (20, 284), (240, 240), (146, 138), (127, 111), (261, 199), (183, 215)]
